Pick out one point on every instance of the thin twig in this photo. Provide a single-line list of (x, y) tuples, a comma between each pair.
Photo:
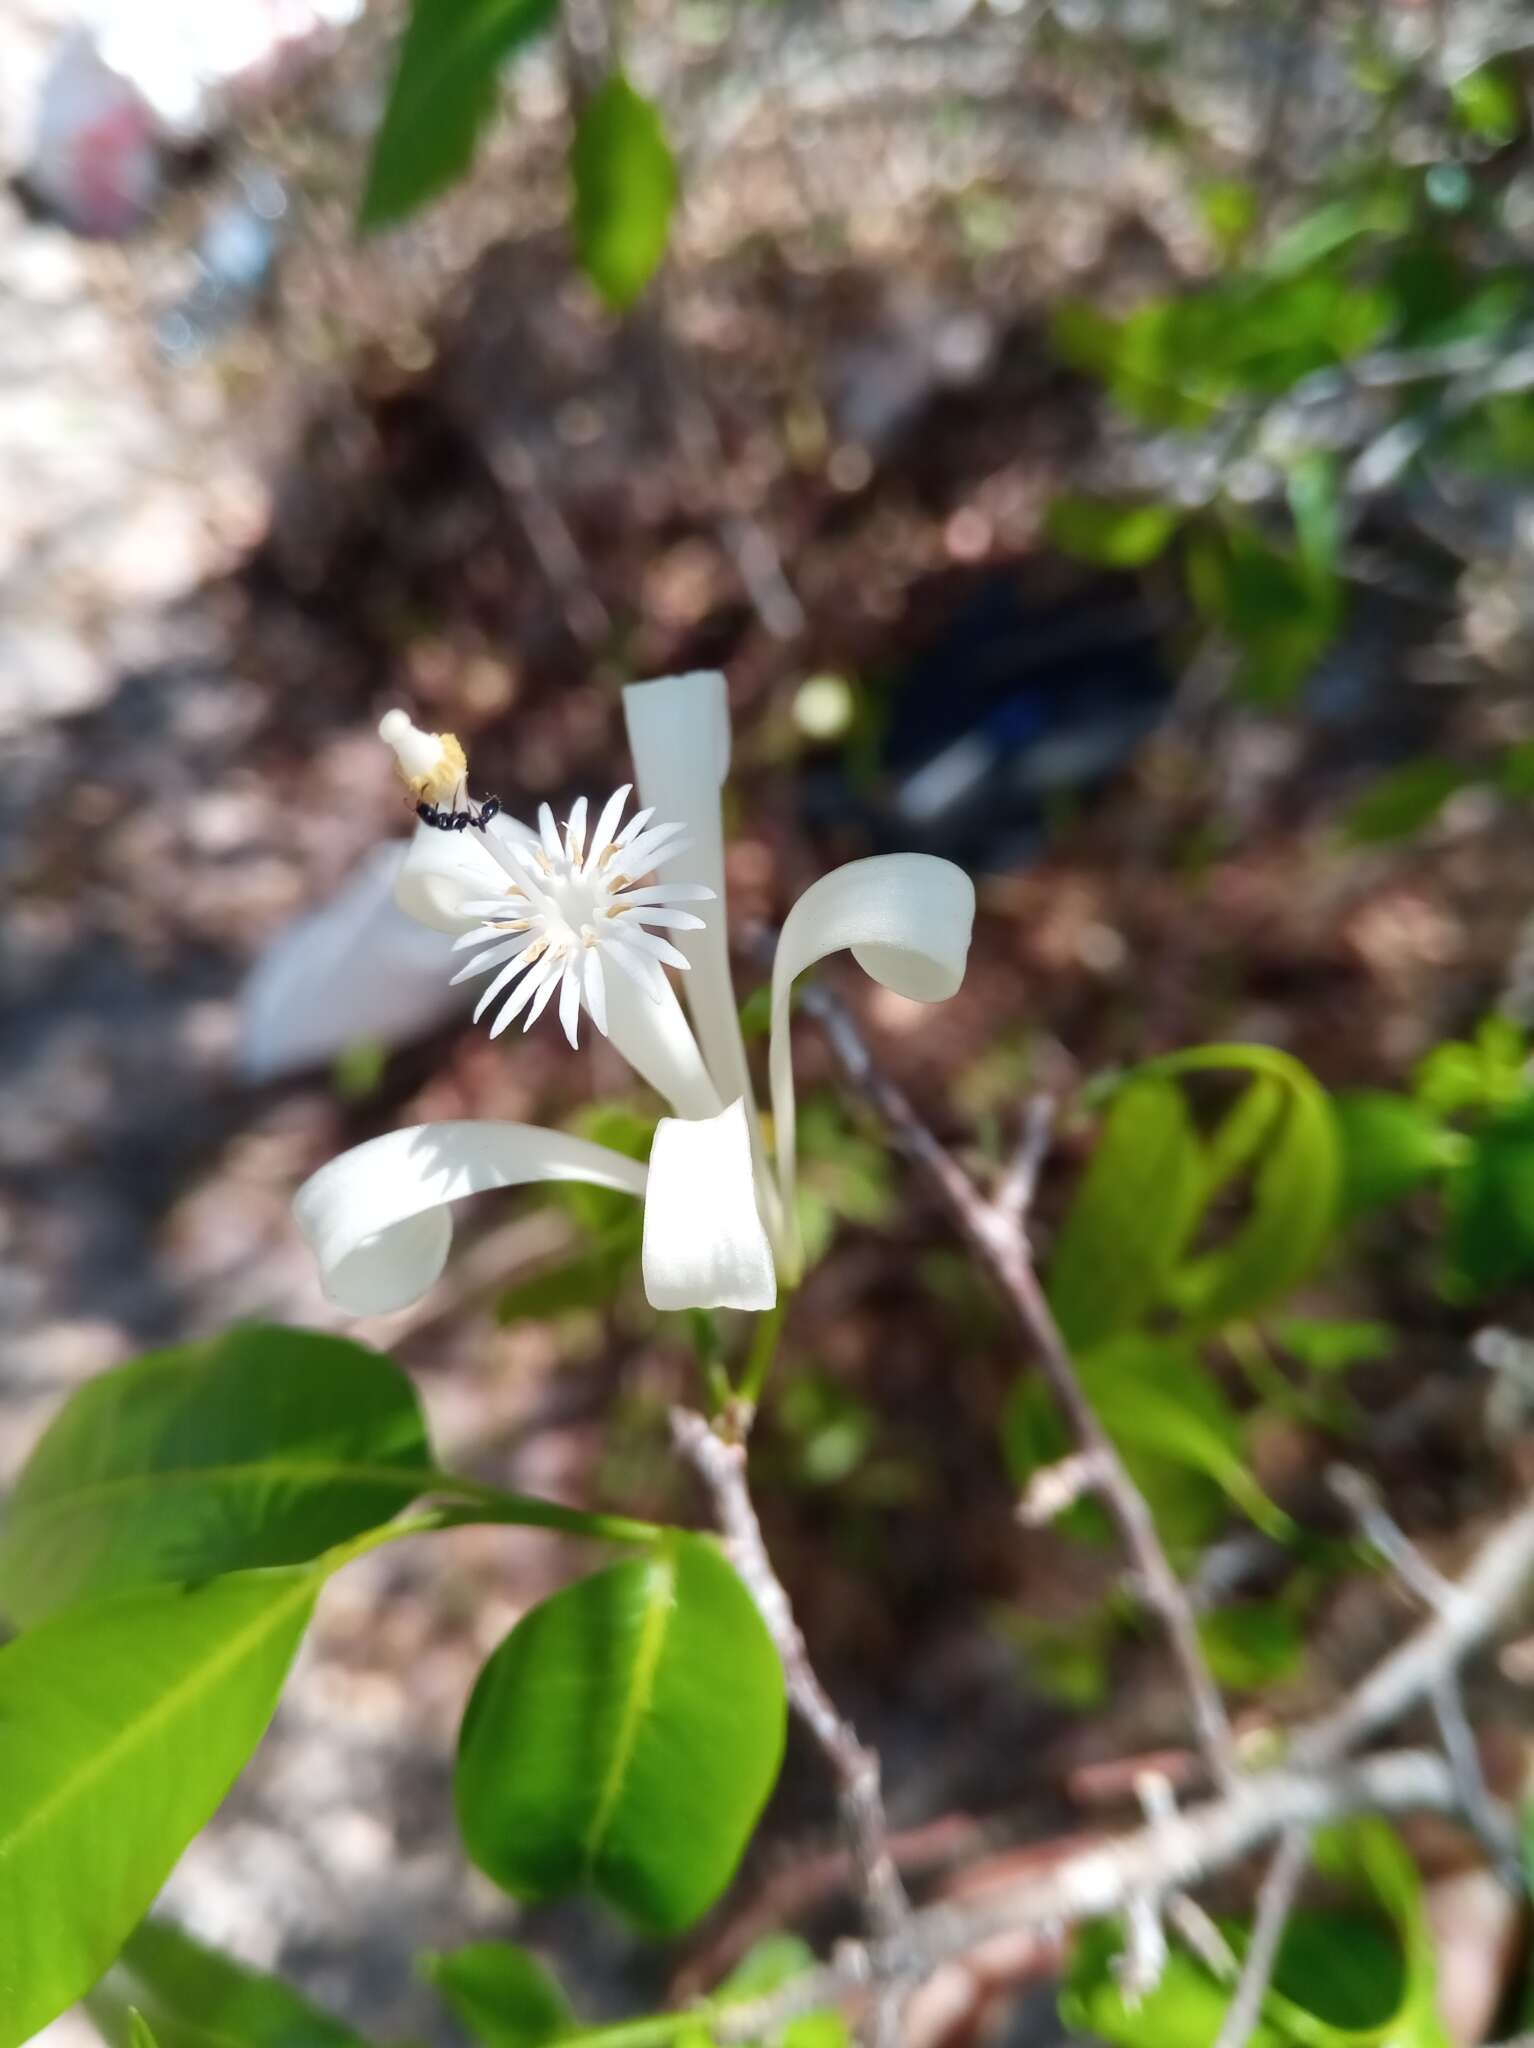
[(1015, 1191), (721, 1465), (1361, 1499), (1459, 1746), (1275, 1902), (1100, 1880), (1001, 1244)]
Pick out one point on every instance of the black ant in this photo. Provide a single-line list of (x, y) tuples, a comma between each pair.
[(477, 815)]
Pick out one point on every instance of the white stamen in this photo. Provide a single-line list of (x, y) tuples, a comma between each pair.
[(573, 906)]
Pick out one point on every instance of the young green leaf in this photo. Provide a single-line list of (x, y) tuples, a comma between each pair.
[(198, 1998), (140, 2034), (625, 184), (123, 1724), (1391, 1146), (624, 1737), (1490, 1199), (1251, 1646), (766, 1967), (1133, 1215), (443, 93), (503, 1995), (264, 1446), (1294, 1191), (1404, 801)]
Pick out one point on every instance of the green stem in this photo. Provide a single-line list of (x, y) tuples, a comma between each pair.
[(493, 1504), (764, 1349)]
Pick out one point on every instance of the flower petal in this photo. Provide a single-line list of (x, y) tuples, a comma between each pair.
[(646, 1025), (907, 918), (445, 871), (704, 1245), (679, 734), (376, 1218)]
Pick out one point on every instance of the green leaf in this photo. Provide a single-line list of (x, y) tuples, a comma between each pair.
[(139, 2032), (1329, 1347), (625, 183), (1315, 505), (583, 1285), (1404, 801), (1391, 1146), (1490, 1201), (1066, 1662), (1478, 1076), (261, 1447), (503, 1995), (624, 1737), (122, 1725), (1293, 1199), (443, 92), (1278, 609), (1252, 1646), (1159, 1402), (766, 1967), (1183, 2011), (1115, 535), (1133, 1215), (198, 1998), (1489, 102)]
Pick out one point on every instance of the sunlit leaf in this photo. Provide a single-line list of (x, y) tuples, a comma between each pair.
[(1134, 1212), (625, 183), (122, 1725), (624, 1738), (503, 1995), (1329, 1347), (260, 1447), (443, 92), (1118, 536), (198, 1998), (1292, 1209), (772, 1962), (1476, 1076), (1489, 102), (1391, 1145)]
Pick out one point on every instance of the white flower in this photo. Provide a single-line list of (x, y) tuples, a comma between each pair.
[(549, 914)]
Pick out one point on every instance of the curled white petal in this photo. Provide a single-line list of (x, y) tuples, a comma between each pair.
[(704, 1244), (907, 918), (377, 1220), (444, 872)]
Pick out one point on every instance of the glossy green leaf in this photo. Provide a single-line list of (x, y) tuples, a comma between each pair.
[(264, 1446), (1490, 1203), (1133, 1215), (625, 182), (1292, 1209), (502, 1993), (624, 1737), (1119, 536), (122, 1725), (198, 1998), (1255, 1645), (443, 92), (1391, 1145), (1404, 801)]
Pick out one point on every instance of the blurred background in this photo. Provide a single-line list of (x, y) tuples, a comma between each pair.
[(1096, 437)]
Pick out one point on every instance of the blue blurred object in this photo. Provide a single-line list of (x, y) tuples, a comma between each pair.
[(235, 258), (1015, 703)]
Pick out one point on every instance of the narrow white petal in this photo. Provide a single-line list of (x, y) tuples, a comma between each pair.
[(548, 832), (907, 918), (650, 848), (594, 988), (639, 967), (631, 934), (679, 734), (704, 1245), (536, 977), (607, 822), (646, 1026), (668, 920), (492, 956), (575, 829), (376, 1218), (524, 962), (669, 892), (442, 873), (635, 826), (482, 935), (570, 999), (541, 1000)]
